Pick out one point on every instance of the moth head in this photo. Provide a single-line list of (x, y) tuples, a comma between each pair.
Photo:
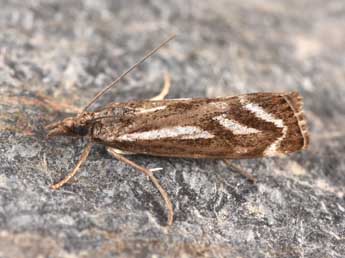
[(70, 126)]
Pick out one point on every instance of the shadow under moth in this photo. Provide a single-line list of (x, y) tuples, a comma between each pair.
[(239, 127)]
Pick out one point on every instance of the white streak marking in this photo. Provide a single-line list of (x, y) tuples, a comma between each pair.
[(271, 150), (234, 126), (181, 132), (147, 110), (261, 113)]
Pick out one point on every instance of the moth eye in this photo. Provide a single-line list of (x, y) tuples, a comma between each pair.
[(81, 130)]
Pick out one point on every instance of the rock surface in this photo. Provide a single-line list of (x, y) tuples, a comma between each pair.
[(56, 55)]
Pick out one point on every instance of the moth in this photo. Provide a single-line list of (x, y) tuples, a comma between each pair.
[(238, 127)]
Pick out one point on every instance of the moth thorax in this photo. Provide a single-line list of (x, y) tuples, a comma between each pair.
[(110, 114)]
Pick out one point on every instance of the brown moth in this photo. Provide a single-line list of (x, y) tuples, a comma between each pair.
[(246, 126)]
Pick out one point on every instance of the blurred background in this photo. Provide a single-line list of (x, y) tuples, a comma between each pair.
[(56, 55)]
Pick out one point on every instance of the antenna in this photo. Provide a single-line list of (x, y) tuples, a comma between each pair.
[(99, 94)]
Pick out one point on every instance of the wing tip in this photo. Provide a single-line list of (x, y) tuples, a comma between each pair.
[(295, 101)]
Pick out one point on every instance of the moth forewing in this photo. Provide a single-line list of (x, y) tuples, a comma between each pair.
[(247, 126)]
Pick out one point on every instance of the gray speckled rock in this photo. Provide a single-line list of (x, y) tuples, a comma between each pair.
[(56, 55)]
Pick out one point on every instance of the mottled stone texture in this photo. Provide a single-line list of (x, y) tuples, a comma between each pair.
[(55, 55)]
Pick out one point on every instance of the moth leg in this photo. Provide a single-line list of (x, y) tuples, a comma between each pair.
[(82, 159), (154, 180), (121, 152), (155, 169), (239, 170), (166, 88)]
